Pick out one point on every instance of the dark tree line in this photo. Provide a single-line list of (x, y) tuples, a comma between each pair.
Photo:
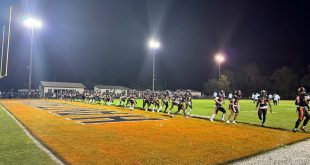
[(250, 78)]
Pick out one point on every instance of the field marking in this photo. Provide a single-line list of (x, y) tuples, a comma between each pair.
[(123, 121), (34, 139), (88, 115)]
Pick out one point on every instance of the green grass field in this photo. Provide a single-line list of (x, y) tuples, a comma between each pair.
[(284, 115), (16, 147)]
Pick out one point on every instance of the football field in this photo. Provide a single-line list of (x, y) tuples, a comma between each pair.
[(284, 114), (80, 133)]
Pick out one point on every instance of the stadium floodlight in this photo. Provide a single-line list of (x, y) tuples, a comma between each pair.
[(33, 24), (219, 58), (154, 44)]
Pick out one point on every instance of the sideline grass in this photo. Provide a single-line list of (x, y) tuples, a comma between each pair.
[(171, 141), (16, 147)]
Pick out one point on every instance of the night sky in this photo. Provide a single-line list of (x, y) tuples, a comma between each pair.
[(105, 41)]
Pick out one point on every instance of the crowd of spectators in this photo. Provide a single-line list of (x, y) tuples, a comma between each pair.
[(14, 94), (71, 94)]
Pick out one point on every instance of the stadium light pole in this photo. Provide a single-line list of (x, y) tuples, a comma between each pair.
[(2, 48), (154, 44), (32, 24), (219, 58)]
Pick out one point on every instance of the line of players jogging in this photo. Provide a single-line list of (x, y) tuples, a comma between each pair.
[(157, 101), (165, 101), (262, 104), (160, 101), (262, 101), (233, 106)]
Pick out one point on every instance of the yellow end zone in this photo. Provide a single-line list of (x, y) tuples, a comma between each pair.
[(169, 141)]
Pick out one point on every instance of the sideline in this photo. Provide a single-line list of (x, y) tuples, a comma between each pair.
[(284, 154), (42, 147)]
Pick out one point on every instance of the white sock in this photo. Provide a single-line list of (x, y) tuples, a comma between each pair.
[(212, 117), (158, 110), (223, 116)]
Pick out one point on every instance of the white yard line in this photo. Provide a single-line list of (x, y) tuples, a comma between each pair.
[(42, 147)]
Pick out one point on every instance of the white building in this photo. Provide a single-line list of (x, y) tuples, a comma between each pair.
[(59, 87), (193, 92), (196, 93), (25, 90), (110, 88)]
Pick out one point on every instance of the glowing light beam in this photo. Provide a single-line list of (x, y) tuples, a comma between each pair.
[(32, 23)]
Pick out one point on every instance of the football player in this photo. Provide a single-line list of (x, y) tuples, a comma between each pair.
[(181, 102), (165, 100), (261, 106), (145, 99), (219, 101), (156, 102), (189, 103), (302, 109), (234, 106), (133, 102), (175, 101)]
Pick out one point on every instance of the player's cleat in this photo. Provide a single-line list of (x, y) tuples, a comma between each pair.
[(227, 121), (295, 130), (211, 120), (234, 122), (303, 128)]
